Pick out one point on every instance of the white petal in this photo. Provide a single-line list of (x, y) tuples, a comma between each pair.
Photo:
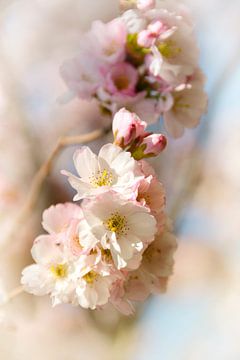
[(37, 280), (45, 251), (57, 217), (172, 125), (109, 152), (102, 289), (87, 297), (83, 188), (86, 237), (85, 162), (142, 225)]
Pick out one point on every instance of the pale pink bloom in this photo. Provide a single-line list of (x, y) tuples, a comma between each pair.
[(189, 105), (123, 227), (118, 299), (114, 102), (52, 274), (91, 295), (82, 75), (152, 109), (154, 144), (155, 31), (171, 74), (108, 40), (72, 240), (176, 60), (57, 218), (145, 5), (127, 127), (161, 30), (112, 169), (146, 38), (155, 269), (146, 110), (134, 21), (146, 168), (151, 193), (61, 222), (122, 79), (154, 62)]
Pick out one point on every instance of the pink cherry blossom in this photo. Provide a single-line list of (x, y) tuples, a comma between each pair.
[(108, 40), (82, 75), (155, 270), (151, 193), (57, 218), (154, 32), (122, 79), (189, 105)]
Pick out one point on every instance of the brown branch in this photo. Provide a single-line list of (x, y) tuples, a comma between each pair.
[(45, 170), (14, 293)]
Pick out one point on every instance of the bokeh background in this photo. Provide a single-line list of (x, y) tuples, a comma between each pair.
[(199, 317)]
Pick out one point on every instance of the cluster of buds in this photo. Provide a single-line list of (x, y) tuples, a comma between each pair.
[(130, 134), (116, 245), (145, 60)]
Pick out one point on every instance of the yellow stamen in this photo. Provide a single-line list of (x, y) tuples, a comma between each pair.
[(90, 277), (180, 103), (144, 196), (102, 178), (106, 255), (168, 49), (121, 82), (117, 223), (60, 270)]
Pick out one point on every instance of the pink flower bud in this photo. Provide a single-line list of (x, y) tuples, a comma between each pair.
[(145, 4), (127, 127), (146, 38), (156, 28), (155, 144)]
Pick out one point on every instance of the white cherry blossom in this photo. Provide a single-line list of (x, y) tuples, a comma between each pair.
[(123, 227), (112, 169)]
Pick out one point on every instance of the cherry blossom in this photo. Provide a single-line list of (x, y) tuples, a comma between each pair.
[(139, 61), (112, 169), (121, 226)]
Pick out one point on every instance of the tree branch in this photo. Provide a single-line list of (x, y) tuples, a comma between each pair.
[(45, 170)]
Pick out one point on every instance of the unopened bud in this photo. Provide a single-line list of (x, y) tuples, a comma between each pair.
[(151, 146), (127, 127), (155, 144)]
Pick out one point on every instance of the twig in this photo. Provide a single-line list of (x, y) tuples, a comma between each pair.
[(45, 170), (14, 293)]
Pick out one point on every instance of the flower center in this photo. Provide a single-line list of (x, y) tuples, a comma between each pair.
[(180, 104), (121, 82), (60, 270), (102, 178), (168, 49), (145, 197), (117, 223), (110, 49), (106, 255), (90, 277)]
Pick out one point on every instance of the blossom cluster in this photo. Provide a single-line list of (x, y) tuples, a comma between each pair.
[(145, 60), (116, 245)]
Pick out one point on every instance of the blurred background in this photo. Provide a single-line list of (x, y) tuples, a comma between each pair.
[(199, 317)]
